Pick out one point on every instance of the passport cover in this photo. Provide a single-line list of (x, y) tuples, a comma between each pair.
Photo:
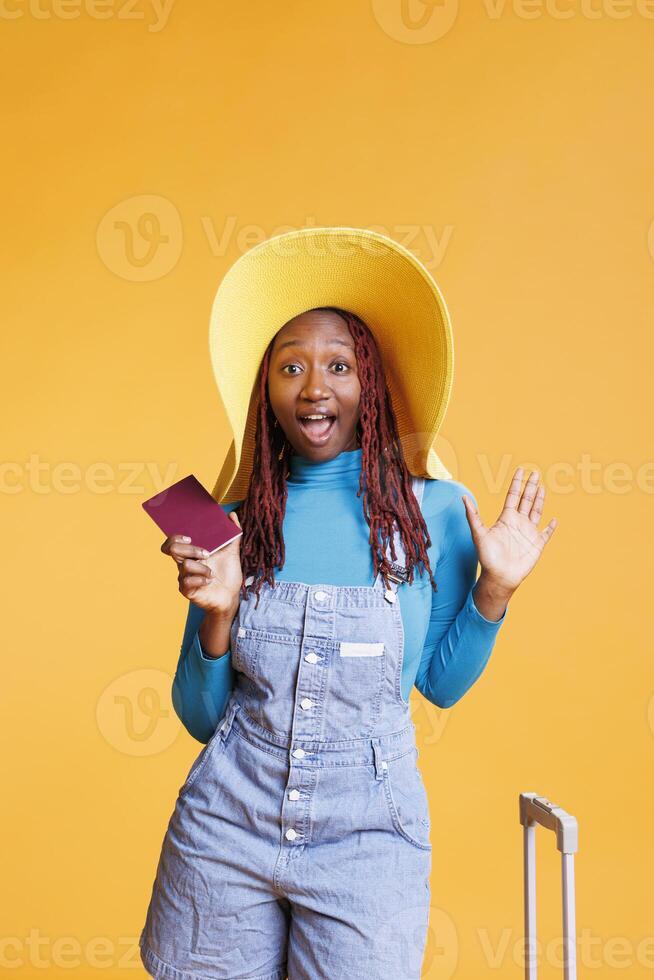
[(186, 507)]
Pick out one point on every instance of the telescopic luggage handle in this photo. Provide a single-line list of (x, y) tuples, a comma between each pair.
[(539, 810)]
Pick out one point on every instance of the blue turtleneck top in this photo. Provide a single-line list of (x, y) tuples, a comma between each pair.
[(447, 641)]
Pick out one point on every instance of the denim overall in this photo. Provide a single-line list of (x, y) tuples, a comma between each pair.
[(299, 845)]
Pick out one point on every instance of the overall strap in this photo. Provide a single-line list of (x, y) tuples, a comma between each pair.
[(418, 486)]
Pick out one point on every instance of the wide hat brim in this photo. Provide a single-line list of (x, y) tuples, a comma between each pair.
[(358, 270)]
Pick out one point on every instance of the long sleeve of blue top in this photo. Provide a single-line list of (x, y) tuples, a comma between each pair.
[(447, 641)]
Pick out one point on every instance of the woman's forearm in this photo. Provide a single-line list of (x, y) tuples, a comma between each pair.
[(202, 683), (214, 632)]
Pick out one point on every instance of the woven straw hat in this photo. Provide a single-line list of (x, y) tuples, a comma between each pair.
[(363, 272)]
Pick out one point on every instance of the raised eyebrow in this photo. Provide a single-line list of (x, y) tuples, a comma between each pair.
[(298, 343)]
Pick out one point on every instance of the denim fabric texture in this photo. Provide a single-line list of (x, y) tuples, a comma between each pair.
[(299, 846), (447, 641)]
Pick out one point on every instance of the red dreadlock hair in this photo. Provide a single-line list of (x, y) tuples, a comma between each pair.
[(385, 481)]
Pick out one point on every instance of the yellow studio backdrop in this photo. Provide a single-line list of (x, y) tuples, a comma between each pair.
[(147, 145)]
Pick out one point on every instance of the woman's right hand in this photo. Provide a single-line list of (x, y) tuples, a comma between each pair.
[(212, 582)]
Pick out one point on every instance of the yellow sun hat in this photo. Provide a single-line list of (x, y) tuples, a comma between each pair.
[(361, 271)]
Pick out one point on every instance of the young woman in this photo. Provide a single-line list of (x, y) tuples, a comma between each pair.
[(299, 846)]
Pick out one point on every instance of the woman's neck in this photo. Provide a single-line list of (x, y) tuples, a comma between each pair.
[(342, 470)]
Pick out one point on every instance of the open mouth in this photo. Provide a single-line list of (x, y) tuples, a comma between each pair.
[(317, 429)]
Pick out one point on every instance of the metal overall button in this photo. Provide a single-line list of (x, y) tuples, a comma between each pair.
[(406, 799)]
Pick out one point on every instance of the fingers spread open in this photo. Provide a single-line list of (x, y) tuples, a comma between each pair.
[(537, 507), (513, 493), (547, 532), (528, 494)]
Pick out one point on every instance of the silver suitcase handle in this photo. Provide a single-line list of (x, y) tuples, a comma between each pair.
[(535, 810)]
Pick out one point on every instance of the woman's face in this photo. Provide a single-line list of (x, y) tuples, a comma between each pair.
[(313, 371)]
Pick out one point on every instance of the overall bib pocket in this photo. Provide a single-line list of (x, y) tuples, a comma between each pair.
[(354, 687), (245, 652), (406, 799), (263, 661)]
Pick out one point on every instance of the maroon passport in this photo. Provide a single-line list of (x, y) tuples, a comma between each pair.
[(187, 508)]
